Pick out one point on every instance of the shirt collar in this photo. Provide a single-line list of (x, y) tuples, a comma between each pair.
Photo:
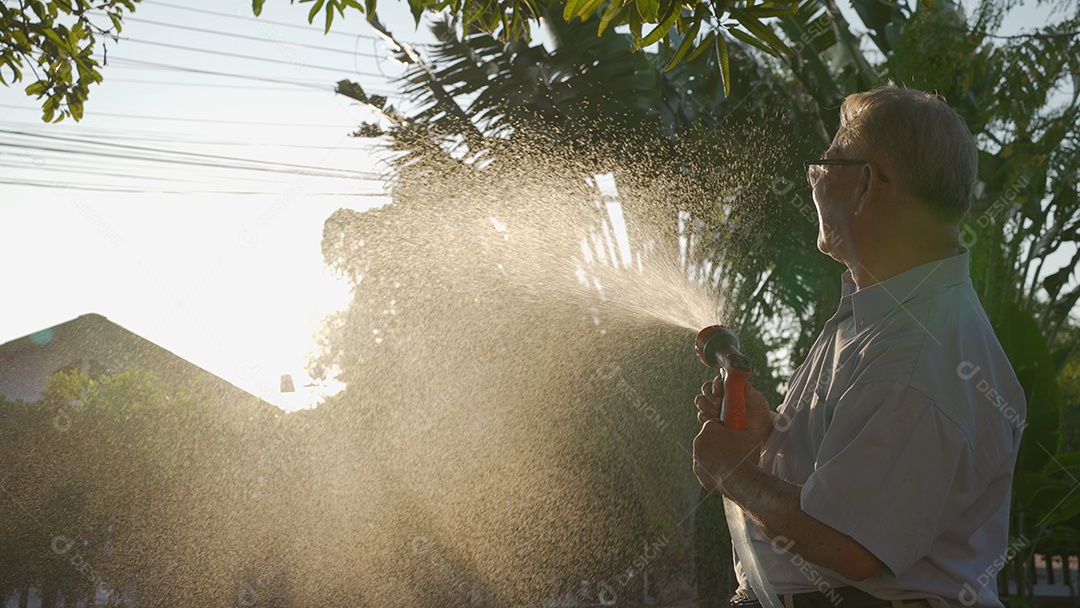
[(873, 303)]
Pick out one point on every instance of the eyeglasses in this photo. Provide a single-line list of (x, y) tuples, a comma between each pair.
[(816, 168)]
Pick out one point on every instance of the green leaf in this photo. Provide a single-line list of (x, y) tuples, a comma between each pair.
[(571, 9), (615, 9), (585, 8), (648, 10), (667, 7), (417, 8), (256, 7), (748, 39), (635, 25), (59, 42), (315, 10), (706, 42), (724, 62), (764, 12), (329, 18), (75, 107), (762, 31), (660, 31), (37, 89), (687, 44)]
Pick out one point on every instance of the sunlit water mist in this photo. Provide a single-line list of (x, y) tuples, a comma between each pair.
[(520, 371), (515, 431)]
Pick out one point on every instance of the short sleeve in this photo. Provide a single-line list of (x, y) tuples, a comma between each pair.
[(884, 473)]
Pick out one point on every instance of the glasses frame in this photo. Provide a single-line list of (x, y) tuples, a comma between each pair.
[(839, 162)]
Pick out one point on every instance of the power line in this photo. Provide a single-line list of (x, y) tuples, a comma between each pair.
[(242, 87), (254, 19), (190, 119), (262, 166), (97, 172), (171, 137), (182, 153), (214, 85), (97, 188), (302, 45), (220, 53), (89, 163), (135, 63), (179, 68)]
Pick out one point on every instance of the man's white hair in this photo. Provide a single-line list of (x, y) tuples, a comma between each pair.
[(927, 142)]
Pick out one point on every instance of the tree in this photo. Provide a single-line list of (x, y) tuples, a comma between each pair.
[(125, 484), (676, 24), (488, 100), (55, 40), (502, 144)]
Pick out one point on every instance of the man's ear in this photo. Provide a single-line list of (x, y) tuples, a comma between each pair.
[(862, 201), (866, 180)]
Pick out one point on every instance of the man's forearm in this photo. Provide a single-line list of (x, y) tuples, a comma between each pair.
[(774, 505)]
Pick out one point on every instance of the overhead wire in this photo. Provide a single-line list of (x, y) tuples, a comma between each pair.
[(220, 53), (242, 87), (262, 124), (234, 35), (321, 86), (212, 85), (66, 158), (199, 155), (124, 61), (305, 84), (97, 172), (267, 167), (98, 188), (147, 149), (172, 137), (62, 162), (254, 19)]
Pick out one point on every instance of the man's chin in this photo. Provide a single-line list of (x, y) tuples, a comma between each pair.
[(823, 245)]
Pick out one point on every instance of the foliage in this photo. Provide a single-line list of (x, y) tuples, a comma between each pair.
[(55, 39), (121, 482), (685, 29), (487, 100), (58, 37), (500, 127)]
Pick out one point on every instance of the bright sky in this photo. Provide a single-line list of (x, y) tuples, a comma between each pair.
[(233, 282)]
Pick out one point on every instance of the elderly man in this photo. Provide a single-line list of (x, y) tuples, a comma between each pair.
[(884, 477)]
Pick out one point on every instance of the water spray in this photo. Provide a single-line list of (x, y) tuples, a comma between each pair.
[(717, 347)]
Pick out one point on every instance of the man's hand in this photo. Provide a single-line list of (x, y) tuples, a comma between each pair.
[(721, 454), (758, 416), (720, 451)]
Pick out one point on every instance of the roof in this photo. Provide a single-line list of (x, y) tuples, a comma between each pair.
[(91, 342)]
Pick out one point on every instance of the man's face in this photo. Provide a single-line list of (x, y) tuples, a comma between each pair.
[(834, 191)]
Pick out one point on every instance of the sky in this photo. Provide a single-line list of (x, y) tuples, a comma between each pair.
[(232, 282), (187, 206)]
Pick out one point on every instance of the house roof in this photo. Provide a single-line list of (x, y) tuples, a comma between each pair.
[(91, 342)]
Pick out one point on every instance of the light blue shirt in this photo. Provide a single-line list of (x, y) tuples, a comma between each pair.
[(902, 427)]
